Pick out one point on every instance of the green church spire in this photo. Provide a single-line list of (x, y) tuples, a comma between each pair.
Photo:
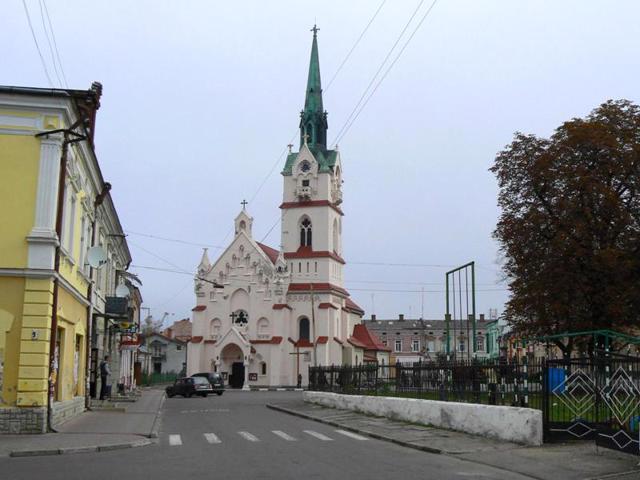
[(313, 119)]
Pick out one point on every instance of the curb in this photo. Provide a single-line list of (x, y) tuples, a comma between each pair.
[(357, 430), (74, 450), (276, 389), (156, 421)]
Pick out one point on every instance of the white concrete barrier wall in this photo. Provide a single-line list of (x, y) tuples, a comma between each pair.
[(513, 424)]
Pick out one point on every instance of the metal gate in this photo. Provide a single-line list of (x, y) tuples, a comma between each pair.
[(593, 398)]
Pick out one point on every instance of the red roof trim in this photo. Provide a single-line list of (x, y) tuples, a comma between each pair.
[(306, 287), (328, 305), (280, 306), (351, 306), (272, 253), (312, 203), (369, 340), (336, 339), (300, 343), (322, 340), (356, 343), (198, 308), (306, 252), (210, 341), (271, 341), (196, 339)]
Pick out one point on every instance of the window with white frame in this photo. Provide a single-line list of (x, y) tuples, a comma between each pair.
[(415, 346), (480, 343), (398, 346), (431, 346)]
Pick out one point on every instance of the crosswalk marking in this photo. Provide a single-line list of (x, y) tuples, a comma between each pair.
[(175, 440), (317, 435), (248, 436), (284, 435), (212, 438), (355, 436)]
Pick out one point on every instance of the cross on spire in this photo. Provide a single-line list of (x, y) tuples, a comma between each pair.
[(290, 147), (305, 138), (244, 204), (315, 30)]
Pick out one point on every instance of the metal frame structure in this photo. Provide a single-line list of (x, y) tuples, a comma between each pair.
[(470, 316)]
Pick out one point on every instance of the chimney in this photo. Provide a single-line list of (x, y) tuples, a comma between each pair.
[(401, 317), (482, 317), (373, 317)]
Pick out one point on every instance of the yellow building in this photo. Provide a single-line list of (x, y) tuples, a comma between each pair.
[(49, 182)]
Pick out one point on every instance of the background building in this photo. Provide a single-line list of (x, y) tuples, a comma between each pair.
[(423, 340)]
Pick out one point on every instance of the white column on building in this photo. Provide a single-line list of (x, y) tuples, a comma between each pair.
[(245, 385), (42, 238)]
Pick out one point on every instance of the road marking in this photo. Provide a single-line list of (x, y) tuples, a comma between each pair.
[(286, 436), (212, 438), (319, 436), (281, 389), (355, 436), (248, 436), (175, 440)]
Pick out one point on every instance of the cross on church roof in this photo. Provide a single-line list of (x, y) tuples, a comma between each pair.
[(315, 30), (244, 204), (290, 147), (305, 137)]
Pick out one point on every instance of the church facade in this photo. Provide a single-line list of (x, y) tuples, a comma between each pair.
[(263, 316)]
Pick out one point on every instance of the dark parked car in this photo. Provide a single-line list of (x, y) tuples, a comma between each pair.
[(215, 379), (189, 386)]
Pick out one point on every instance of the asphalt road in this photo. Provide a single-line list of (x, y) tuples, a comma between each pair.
[(236, 437)]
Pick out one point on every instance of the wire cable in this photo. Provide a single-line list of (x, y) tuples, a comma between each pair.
[(424, 17), (46, 34), (355, 45), (382, 64), (174, 240), (55, 44), (35, 40)]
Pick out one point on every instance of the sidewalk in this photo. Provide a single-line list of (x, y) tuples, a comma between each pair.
[(130, 425), (574, 461)]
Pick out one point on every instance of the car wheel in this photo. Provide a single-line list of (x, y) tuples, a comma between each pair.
[(219, 393), (189, 395), (204, 395), (170, 395)]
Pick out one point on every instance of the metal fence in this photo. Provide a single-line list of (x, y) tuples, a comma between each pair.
[(491, 382), (156, 378), (594, 398)]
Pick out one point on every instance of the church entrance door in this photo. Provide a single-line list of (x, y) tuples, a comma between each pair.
[(237, 375)]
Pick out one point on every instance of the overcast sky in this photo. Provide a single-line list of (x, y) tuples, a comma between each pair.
[(201, 98)]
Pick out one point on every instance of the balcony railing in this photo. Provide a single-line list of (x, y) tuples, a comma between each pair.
[(303, 192)]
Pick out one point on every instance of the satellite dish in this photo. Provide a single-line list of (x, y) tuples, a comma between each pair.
[(122, 291), (96, 257)]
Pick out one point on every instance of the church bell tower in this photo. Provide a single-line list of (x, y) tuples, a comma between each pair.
[(311, 214)]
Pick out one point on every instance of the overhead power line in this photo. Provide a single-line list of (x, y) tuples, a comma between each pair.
[(382, 64), (55, 43), (174, 240), (350, 123), (35, 40), (355, 45), (46, 34)]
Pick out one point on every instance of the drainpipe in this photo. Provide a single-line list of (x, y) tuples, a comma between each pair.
[(97, 202), (56, 265)]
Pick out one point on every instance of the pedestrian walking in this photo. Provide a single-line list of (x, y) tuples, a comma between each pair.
[(105, 377)]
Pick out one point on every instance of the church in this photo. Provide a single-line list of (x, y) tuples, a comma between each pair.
[(264, 315)]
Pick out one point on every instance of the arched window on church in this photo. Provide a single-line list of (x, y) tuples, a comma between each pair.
[(303, 325), (305, 232)]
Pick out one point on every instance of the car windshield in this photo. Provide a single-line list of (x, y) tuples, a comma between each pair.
[(200, 380), (215, 376)]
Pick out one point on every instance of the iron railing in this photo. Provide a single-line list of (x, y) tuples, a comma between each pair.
[(486, 381)]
